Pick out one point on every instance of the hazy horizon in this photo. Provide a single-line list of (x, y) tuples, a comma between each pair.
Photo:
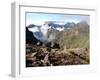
[(40, 18)]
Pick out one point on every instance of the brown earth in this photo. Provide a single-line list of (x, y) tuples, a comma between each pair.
[(37, 56)]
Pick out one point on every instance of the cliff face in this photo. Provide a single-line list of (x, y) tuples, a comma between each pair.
[(30, 39)]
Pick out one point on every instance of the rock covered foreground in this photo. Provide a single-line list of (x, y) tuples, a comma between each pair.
[(37, 56)]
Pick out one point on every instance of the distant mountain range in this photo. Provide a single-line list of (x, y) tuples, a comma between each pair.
[(55, 25), (51, 31)]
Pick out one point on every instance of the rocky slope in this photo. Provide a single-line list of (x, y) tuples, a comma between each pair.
[(67, 47), (37, 56)]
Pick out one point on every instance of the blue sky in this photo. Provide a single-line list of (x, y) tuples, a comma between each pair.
[(40, 18)]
